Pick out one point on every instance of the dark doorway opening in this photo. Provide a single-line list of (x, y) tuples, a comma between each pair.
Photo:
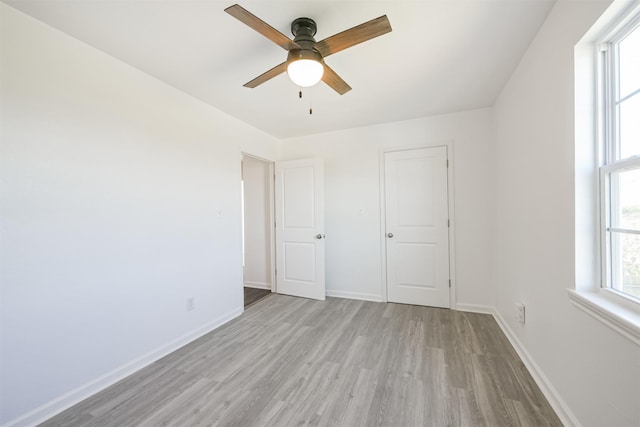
[(253, 295)]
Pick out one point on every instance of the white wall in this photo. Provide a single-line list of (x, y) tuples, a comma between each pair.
[(594, 370), (120, 199), (257, 234), (352, 200)]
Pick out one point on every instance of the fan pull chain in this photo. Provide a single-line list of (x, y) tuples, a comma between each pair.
[(310, 100)]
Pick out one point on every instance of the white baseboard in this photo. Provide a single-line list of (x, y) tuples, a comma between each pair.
[(557, 403), (353, 295), (67, 400), (258, 285), (73, 397), (475, 308)]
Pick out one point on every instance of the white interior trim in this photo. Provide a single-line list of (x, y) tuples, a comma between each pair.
[(272, 221), (555, 400), (383, 228), (272, 224), (354, 295), (67, 400), (451, 206), (618, 313), (257, 285), (475, 308), (621, 319)]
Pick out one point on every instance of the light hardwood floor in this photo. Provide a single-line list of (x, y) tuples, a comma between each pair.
[(290, 361)]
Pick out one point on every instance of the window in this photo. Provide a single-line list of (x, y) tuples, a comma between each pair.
[(619, 169)]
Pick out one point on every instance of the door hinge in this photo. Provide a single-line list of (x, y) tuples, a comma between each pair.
[(449, 282), (449, 223), (447, 163)]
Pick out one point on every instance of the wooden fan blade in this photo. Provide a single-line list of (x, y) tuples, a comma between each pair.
[(353, 36), (275, 71), (336, 83), (248, 18)]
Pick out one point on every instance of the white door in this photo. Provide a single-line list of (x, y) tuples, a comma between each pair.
[(417, 233), (300, 228)]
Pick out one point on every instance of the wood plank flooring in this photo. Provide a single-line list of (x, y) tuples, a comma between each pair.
[(291, 361), (253, 295)]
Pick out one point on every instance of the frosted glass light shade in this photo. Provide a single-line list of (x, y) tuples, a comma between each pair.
[(305, 72)]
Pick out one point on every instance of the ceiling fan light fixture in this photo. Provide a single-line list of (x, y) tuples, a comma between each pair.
[(305, 62), (305, 67)]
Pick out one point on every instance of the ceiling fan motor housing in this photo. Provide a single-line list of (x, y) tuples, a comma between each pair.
[(303, 30)]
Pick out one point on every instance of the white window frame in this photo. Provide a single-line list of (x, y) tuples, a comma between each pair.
[(608, 145), (614, 310)]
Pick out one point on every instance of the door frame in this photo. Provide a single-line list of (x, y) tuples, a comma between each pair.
[(451, 205), (272, 219)]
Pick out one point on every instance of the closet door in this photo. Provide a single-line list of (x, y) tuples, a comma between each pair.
[(417, 235), (300, 228)]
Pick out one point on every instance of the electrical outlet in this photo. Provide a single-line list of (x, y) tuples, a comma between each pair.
[(191, 304), (520, 312)]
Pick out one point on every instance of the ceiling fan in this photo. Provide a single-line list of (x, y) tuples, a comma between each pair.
[(305, 61)]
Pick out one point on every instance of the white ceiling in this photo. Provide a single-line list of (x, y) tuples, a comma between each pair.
[(442, 56)]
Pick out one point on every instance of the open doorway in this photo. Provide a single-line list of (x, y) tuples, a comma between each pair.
[(257, 229)]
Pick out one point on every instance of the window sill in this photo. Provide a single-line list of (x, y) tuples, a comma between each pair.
[(623, 320)]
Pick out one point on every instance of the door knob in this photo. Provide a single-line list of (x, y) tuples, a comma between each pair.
[(319, 236), (390, 235)]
